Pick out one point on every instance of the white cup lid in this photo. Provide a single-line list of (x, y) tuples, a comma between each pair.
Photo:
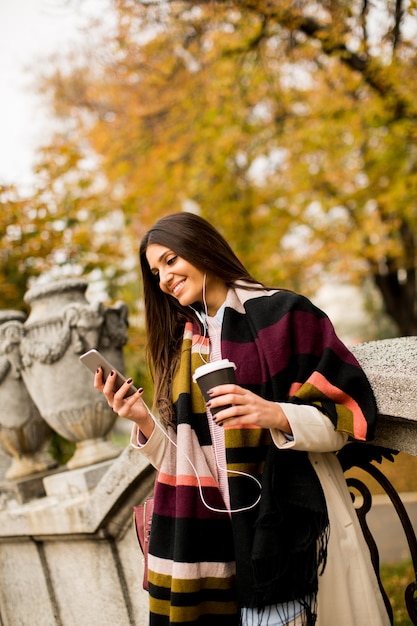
[(213, 366)]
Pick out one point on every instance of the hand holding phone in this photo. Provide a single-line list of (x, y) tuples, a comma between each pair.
[(93, 359)]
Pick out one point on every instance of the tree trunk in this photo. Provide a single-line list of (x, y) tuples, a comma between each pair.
[(399, 299)]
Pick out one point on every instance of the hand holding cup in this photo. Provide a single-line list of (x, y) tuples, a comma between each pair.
[(213, 374)]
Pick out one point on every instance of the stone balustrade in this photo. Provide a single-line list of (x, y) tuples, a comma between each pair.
[(71, 557), (391, 367)]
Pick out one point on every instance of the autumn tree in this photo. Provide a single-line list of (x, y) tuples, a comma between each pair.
[(21, 250), (291, 126), (76, 236)]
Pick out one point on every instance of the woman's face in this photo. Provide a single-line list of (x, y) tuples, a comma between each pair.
[(184, 281)]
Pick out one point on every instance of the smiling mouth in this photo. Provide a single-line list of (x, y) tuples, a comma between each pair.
[(178, 287)]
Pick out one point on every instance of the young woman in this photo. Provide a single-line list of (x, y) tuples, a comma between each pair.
[(253, 522)]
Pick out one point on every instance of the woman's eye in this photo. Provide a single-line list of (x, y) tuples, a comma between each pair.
[(171, 260)]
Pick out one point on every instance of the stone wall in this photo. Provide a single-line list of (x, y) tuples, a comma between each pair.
[(71, 557)]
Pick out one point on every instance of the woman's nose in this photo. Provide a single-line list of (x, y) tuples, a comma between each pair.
[(164, 277)]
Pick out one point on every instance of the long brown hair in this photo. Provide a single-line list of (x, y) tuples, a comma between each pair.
[(198, 242)]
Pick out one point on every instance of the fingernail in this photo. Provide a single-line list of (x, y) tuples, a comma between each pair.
[(112, 373), (208, 405), (98, 370), (140, 390), (129, 380), (210, 391)]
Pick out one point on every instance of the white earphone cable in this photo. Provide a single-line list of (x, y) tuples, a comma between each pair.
[(200, 488)]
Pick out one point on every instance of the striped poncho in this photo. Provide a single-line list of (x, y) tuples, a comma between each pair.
[(204, 562)]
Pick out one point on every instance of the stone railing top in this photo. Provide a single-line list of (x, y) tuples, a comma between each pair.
[(391, 367)]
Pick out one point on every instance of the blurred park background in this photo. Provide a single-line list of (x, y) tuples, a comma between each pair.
[(291, 126)]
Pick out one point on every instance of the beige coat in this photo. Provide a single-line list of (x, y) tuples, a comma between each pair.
[(348, 589)]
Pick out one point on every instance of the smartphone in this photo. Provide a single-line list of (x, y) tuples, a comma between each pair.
[(93, 359)]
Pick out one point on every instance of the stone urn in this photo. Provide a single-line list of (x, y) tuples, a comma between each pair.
[(62, 325), (24, 434)]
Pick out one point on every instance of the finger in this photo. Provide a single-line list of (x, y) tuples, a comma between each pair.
[(229, 398), (123, 390), (234, 411), (109, 382), (231, 417), (107, 388), (103, 386), (133, 405), (98, 379), (223, 389), (121, 400), (223, 416)]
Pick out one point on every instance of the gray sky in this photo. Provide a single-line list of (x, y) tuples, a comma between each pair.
[(30, 30)]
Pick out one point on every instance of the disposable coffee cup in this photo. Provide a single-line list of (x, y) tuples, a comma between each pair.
[(213, 374)]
